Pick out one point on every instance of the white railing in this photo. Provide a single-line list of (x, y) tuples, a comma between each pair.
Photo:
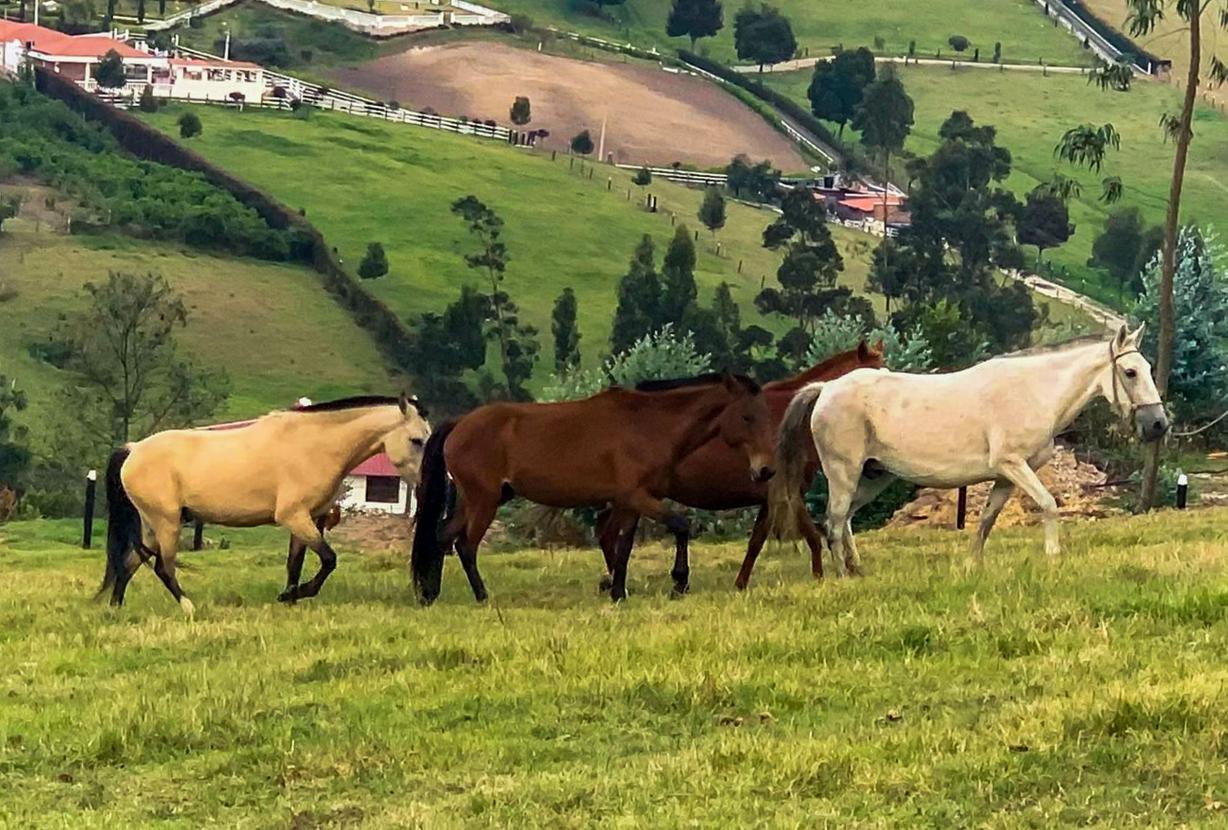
[(182, 17), (351, 104), (683, 176), (367, 23)]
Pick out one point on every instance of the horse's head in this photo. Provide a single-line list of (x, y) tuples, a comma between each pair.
[(746, 424), (871, 357), (405, 442), (1128, 386)]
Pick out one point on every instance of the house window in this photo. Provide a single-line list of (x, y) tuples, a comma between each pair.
[(383, 489)]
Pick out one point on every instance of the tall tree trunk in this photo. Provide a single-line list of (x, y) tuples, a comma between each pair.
[(1164, 357)]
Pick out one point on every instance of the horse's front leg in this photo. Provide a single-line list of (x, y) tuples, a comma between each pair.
[(1018, 472), (294, 562), (675, 523)]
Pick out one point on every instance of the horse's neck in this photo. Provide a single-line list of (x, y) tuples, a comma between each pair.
[(687, 416), (1073, 380), (357, 434), (827, 370)]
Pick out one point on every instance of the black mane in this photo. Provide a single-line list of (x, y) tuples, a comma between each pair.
[(708, 379), (355, 402)]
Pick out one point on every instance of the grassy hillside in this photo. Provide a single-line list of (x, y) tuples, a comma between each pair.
[(363, 181), (270, 326), (1032, 111), (1018, 24), (1086, 691)]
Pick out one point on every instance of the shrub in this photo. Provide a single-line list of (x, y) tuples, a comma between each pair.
[(958, 42), (148, 102), (374, 263), (189, 125), (582, 143)]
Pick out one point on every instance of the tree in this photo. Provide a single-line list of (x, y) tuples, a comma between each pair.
[(752, 181), (517, 342), (997, 52), (1044, 221), (582, 143), (127, 377), (442, 346), (109, 72), (659, 355), (566, 334), (189, 125), (958, 42), (14, 452), (1143, 17), (884, 119), (642, 177), (1198, 385), (374, 263), (638, 312), (712, 210), (838, 85), (10, 206), (763, 36), (835, 333), (678, 291), (148, 102), (140, 11), (694, 19), (521, 113)]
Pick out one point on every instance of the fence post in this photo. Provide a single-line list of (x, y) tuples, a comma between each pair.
[(1183, 490), (91, 487), (961, 508)]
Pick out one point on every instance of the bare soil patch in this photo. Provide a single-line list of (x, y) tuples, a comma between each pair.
[(650, 115)]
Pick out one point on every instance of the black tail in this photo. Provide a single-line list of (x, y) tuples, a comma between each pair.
[(426, 561), (123, 524)]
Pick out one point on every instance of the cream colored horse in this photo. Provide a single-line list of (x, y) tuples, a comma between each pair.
[(995, 421), (285, 468)]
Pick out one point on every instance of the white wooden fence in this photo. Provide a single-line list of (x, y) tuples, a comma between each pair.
[(681, 176), (469, 14), (347, 102)]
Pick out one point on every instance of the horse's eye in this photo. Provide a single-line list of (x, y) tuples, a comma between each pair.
[(417, 442), (747, 418), (1131, 373)]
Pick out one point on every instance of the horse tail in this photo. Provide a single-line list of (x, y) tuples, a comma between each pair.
[(426, 559), (785, 489), (123, 523)]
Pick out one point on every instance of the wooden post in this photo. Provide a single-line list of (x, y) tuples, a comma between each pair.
[(198, 535), (739, 266), (1183, 490), (961, 508), (91, 488)]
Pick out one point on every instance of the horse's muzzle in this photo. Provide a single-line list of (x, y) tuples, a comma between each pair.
[(763, 474), (1151, 422)]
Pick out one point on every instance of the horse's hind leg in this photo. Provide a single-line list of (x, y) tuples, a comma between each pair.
[(1024, 477), (294, 562), (867, 491), (998, 497), (814, 540), (758, 535), (607, 540), (167, 534), (303, 527), (479, 512)]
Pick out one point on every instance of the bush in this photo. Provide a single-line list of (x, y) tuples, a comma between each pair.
[(148, 102), (374, 263), (958, 42), (520, 23), (189, 125), (582, 143)]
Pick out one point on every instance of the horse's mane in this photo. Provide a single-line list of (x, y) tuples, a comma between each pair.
[(357, 402), (1049, 348), (709, 379)]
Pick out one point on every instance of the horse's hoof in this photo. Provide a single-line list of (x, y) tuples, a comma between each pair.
[(426, 600), (188, 608), (618, 596), (740, 584), (679, 591), (481, 598), (605, 583), (288, 595)]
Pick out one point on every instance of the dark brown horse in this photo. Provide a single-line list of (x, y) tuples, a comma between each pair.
[(618, 447), (713, 476)]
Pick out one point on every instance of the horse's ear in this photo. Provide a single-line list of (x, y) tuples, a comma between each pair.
[(863, 350), (880, 347), (404, 403), (1136, 336), (731, 382), (1123, 337)]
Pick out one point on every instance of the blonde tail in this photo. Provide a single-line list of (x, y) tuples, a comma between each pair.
[(785, 490)]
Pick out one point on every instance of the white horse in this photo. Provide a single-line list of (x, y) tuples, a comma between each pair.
[(995, 421)]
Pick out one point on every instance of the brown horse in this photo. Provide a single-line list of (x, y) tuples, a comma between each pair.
[(713, 477), (618, 447)]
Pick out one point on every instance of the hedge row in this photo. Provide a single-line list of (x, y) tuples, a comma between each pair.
[(143, 141), (800, 115), (1137, 54)]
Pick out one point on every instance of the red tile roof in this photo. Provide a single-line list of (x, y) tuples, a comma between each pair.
[(58, 44), (217, 63)]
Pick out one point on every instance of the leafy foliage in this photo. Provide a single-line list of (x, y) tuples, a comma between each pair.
[(712, 210), (566, 334), (1044, 221), (1198, 385), (838, 85), (763, 35), (1124, 248), (659, 355), (521, 112), (694, 19), (638, 311), (752, 181), (582, 143), (41, 138), (374, 262), (14, 453), (189, 125), (835, 333), (109, 72)]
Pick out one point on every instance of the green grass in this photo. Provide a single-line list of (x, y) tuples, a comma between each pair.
[(1032, 111), (818, 26), (1086, 691), (271, 327), (363, 181)]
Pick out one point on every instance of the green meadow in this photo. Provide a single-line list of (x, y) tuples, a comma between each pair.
[(1085, 691), (1032, 111), (271, 327), (361, 181), (1019, 25)]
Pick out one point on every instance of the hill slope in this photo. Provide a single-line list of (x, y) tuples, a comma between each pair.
[(362, 181), (270, 326), (1031, 112)]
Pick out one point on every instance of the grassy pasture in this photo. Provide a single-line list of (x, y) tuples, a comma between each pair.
[(1022, 29), (270, 326), (1032, 111), (1087, 691), (362, 181)]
